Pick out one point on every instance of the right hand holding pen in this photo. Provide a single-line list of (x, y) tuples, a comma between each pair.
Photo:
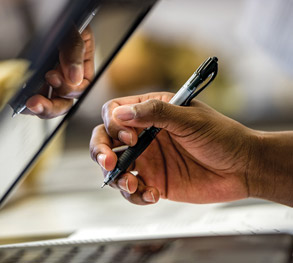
[(200, 156)]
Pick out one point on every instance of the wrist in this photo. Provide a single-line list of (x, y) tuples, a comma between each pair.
[(254, 170), (269, 170)]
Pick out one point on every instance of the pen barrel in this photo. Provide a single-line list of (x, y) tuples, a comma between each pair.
[(130, 155), (186, 90), (182, 97)]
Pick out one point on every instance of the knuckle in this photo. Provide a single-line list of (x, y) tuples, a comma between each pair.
[(73, 51), (96, 130), (95, 134), (105, 108), (112, 130), (80, 49), (154, 108), (157, 107), (110, 124), (93, 152), (75, 41)]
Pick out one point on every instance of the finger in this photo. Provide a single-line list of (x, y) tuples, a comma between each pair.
[(59, 78), (124, 134), (63, 89), (114, 127), (127, 182), (163, 96), (100, 148), (152, 113), (54, 78), (89, 56), (144, 195), (71, 58), (48, 108)]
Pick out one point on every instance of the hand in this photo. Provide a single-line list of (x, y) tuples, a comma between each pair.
[(70, 78), (200, 156)]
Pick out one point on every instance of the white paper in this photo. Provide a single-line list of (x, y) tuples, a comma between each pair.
[(257, 219)]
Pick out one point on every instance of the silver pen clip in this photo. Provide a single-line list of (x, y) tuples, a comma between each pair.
[(208, 69)]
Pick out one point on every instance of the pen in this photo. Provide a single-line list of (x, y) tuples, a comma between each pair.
[(19, 105), (207, 70)]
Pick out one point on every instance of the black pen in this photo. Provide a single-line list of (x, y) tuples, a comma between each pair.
[(208, 69)]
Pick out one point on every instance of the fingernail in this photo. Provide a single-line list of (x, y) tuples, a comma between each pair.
[(125, 137), (101, 158), (120, 148), (76, 74), (38, 109), (123, 184), (148, 197), (124, 113), (54, 80)]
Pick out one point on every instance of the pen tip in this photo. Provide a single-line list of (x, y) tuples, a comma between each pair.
[(102, 186), (14, 114)]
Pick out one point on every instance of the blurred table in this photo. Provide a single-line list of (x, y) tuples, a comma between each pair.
[(69, 198)]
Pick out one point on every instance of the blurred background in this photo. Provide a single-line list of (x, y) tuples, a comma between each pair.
[(253, 86)]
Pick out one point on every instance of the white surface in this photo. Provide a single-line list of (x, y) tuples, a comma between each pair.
[(217, 221), (68, 212)]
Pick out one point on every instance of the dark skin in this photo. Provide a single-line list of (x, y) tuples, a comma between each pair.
[(200, 156), (178, 158), (69, 79)]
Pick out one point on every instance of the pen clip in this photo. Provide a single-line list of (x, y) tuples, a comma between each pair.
[(208, 69)]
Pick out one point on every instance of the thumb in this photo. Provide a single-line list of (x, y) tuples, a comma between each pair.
[(152, 113), (71, 56)]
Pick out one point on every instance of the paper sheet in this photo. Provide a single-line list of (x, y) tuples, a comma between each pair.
[(220, 220), (266, 218)]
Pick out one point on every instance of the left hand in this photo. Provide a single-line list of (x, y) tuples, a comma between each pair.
[(69, 79)]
